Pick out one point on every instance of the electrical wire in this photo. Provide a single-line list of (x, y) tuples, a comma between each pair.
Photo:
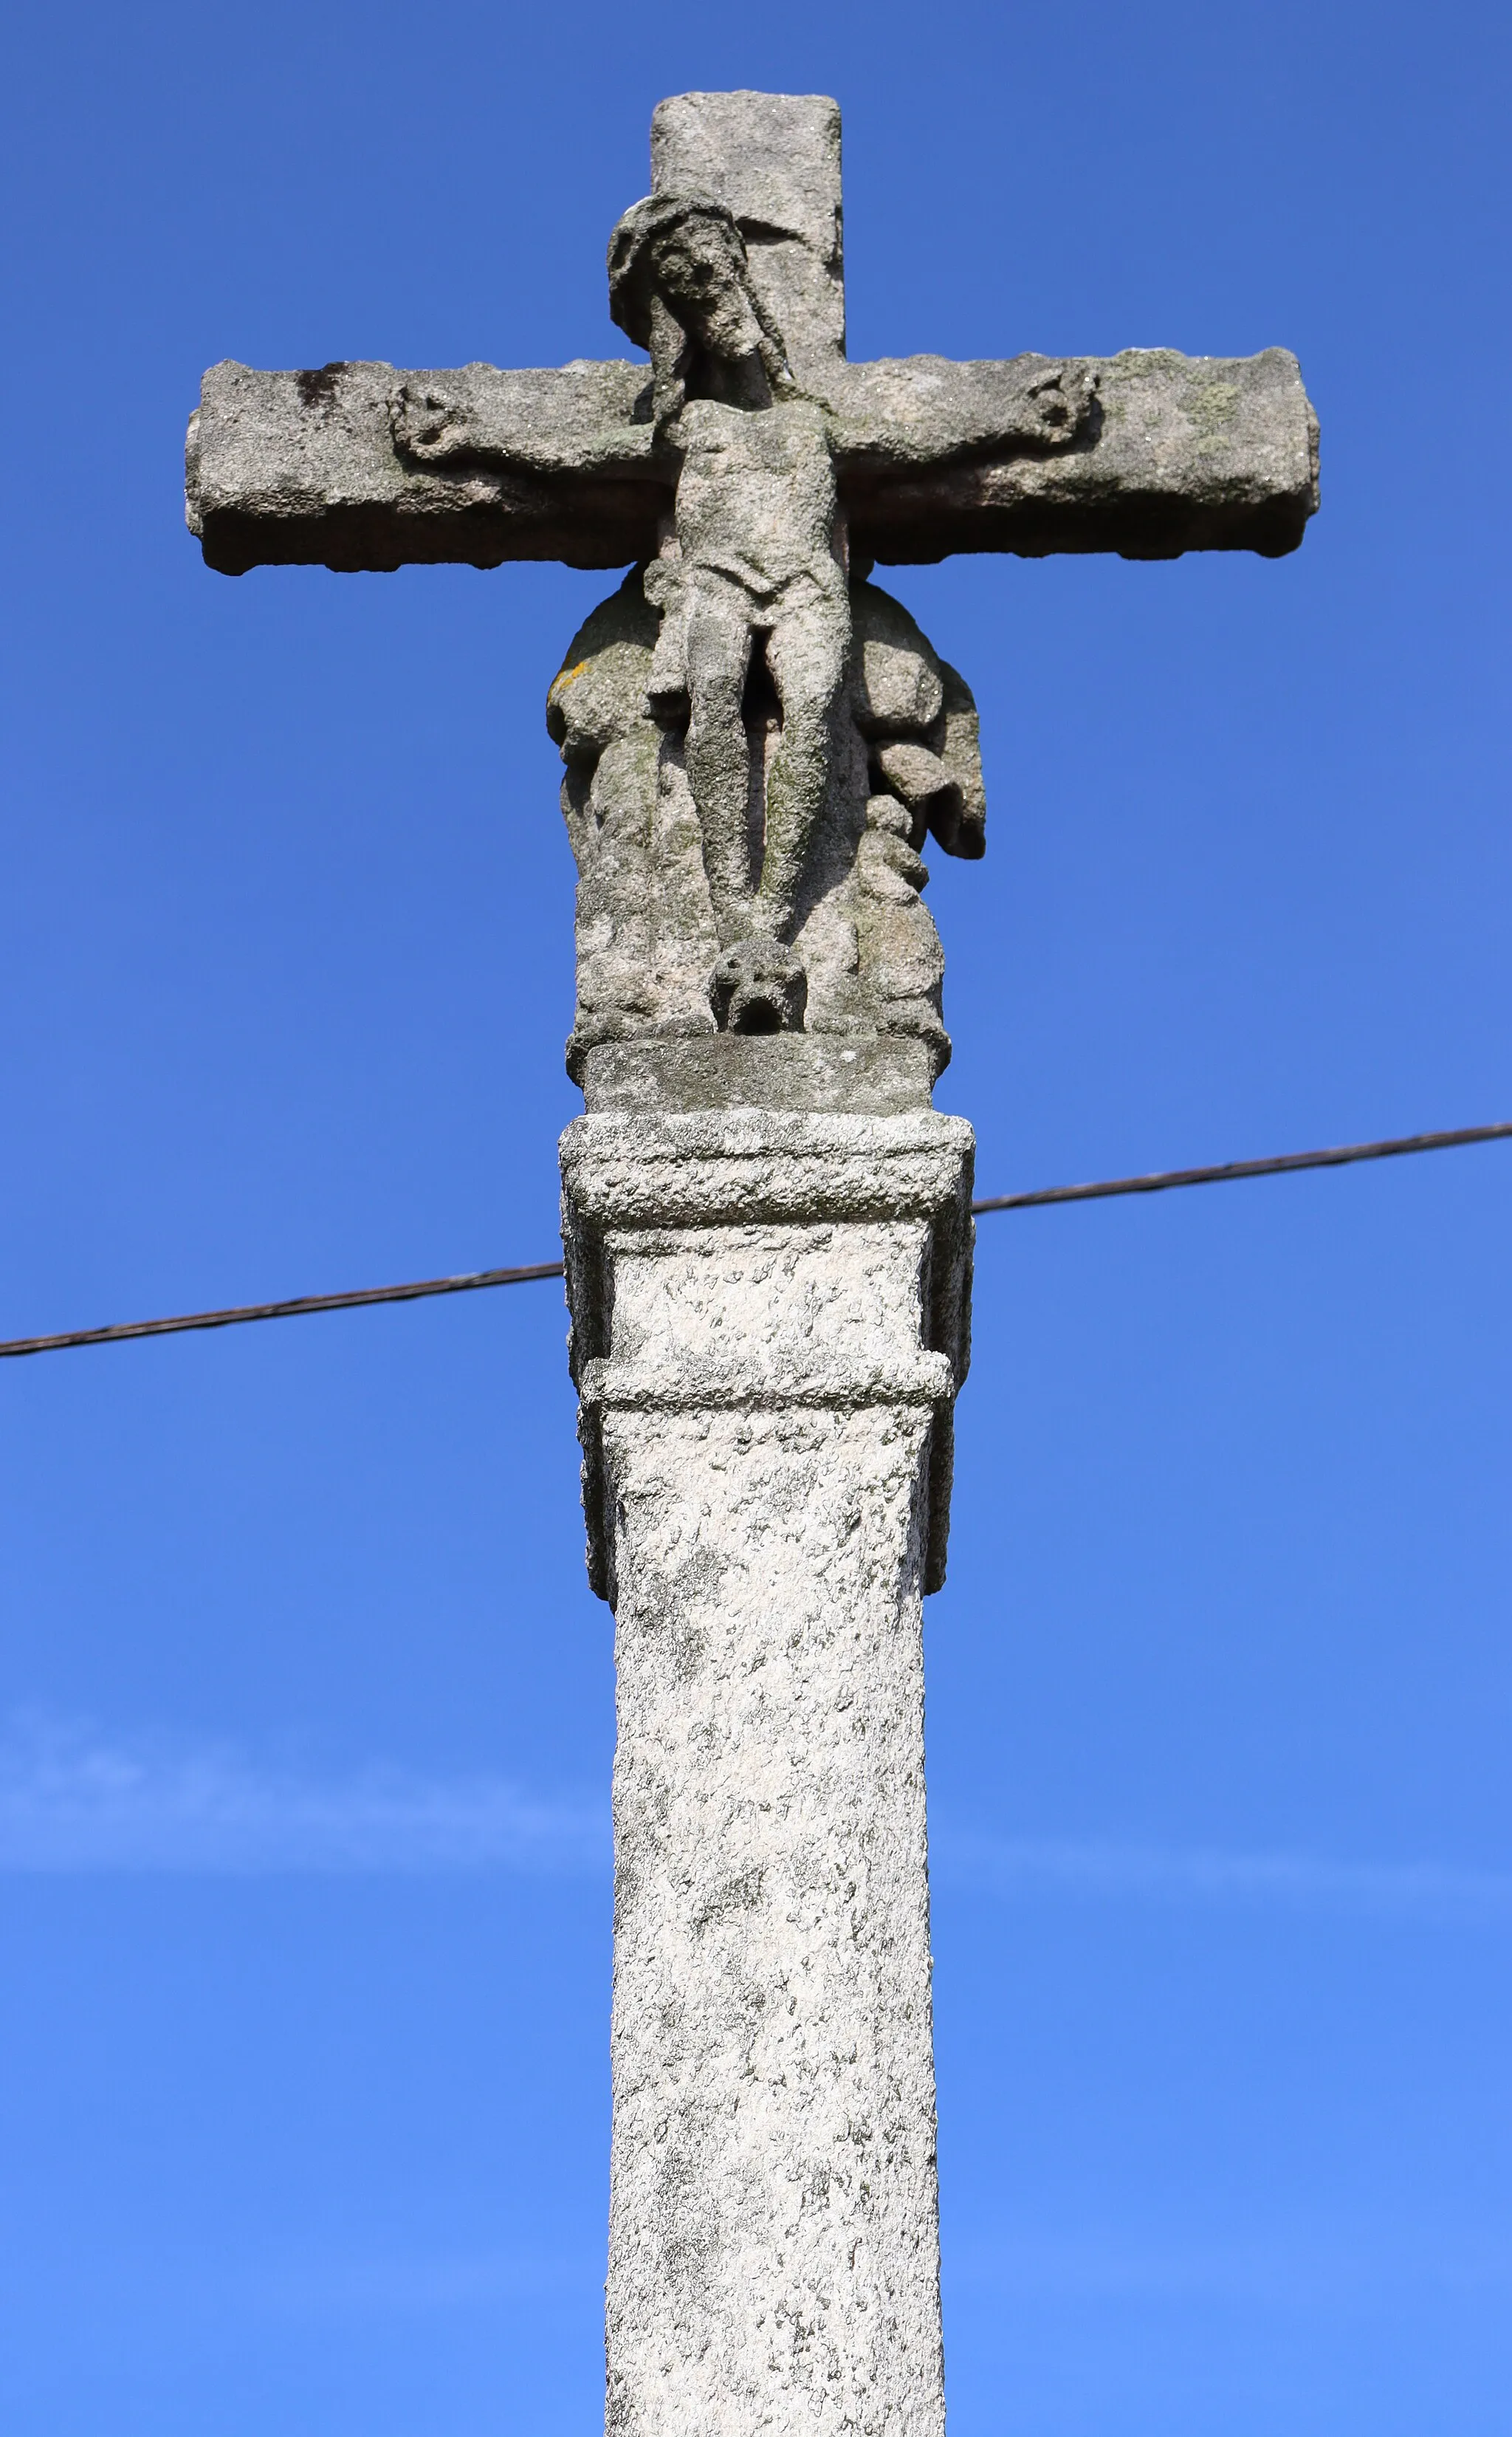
[(1163, 1181), (1287, 1163)]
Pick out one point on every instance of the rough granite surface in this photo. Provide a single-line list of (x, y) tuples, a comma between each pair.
[(769, 1324), (362, 466), (773, 2250), (788, 1070), (774, 158)]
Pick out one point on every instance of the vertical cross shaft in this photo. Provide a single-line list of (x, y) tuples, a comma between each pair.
[(769, 1323), (773, 160)]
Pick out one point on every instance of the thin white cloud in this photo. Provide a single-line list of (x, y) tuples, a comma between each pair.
[(72, 1800), (1422, 1891), (1317, 2265), (415, 2285)]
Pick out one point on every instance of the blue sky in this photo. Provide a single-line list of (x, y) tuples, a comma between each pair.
[(305, 1711)]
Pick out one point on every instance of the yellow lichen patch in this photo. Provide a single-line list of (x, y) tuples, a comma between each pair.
[(565, 677)]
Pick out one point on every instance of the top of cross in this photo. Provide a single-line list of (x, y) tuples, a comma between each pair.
[(358, 465)]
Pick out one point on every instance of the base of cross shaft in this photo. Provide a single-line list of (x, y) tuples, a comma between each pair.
[(769, 1323)]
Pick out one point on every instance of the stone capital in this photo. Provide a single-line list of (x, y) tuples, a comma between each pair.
[(727, 1261)]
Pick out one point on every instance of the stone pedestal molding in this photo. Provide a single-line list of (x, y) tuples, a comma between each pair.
[(770, 1316)]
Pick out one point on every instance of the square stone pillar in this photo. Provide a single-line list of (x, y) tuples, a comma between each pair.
[(770, 1314)]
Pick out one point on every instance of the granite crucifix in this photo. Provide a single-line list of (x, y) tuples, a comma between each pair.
[(767, 1226)]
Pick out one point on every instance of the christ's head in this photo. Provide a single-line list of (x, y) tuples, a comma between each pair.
[(679, 286), (698, 265)]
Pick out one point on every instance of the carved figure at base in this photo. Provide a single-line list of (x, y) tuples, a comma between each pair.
[(865, 960)]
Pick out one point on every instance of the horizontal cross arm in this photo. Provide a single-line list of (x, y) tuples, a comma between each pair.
[(359, 465), (1147, 453)]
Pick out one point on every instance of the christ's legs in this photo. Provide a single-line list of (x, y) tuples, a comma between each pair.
[(806, 655), (757, 985), (718, 761)]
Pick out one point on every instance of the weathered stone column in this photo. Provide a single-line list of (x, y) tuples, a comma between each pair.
[(768, 1232), (769, 1327)]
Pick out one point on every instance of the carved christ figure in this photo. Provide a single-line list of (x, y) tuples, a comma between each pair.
[(753, 563)]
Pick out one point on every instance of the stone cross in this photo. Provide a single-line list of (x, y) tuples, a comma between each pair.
[(767, 1226)]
